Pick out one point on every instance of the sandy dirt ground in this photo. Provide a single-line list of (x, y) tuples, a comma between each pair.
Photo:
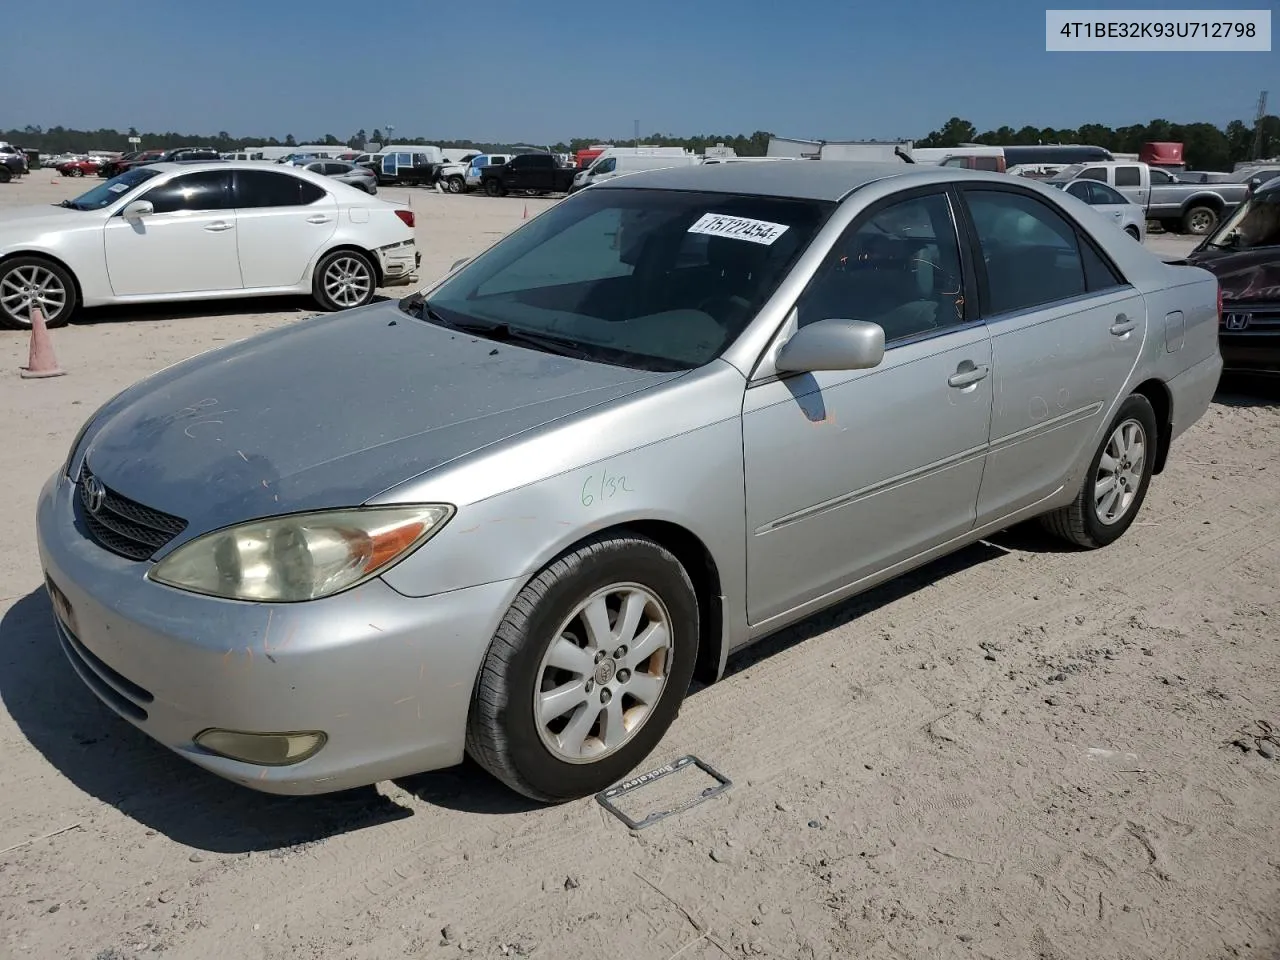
[(1019, 752)]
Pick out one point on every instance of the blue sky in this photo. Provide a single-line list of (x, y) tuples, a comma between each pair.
[(507, 70)]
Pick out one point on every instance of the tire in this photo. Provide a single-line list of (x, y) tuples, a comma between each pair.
[(5, 174), (1079, 522), (1199, 220), (77, 172), (1133, 232), (14, 313), (503, 734), (493, 188), (334, 293), (457, 184)]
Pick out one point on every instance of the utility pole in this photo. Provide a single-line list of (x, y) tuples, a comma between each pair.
[(637, 140), (1256, 153), (390, 128)]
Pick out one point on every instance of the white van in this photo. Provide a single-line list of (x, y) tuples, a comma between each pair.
[(610, 165)]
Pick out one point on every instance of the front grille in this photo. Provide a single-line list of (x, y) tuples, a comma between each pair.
[(119, 692), (126, 527)]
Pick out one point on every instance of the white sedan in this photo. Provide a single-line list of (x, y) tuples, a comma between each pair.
[(202, 231), (1111, 204)]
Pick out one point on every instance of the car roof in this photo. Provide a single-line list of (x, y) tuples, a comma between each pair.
[(830, 180)]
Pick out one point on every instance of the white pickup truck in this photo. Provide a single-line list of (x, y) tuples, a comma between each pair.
[(1194, 208)]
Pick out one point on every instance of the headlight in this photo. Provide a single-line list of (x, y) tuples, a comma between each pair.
[(300, 557)]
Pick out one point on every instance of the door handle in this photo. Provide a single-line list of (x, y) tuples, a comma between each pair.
[(967, 378), (218, 226), (318, 218), (1122, 326)]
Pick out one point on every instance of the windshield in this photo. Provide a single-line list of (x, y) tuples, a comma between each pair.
[(660, 280), (105, 194), (1255, 223)]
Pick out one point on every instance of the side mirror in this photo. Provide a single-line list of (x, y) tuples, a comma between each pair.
[(458, 263), (138, 209), (832, 345)]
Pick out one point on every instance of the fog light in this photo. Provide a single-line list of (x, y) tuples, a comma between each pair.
[(263, 749)]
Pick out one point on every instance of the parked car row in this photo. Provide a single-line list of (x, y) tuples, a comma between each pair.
[(13, 162)]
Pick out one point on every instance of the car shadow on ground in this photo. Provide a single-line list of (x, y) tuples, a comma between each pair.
[(1248, 390), (109, 759)]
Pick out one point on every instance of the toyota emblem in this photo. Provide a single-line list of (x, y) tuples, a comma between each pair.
[(95, 494)]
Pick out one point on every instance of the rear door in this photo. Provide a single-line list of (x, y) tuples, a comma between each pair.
[(1130, 181), (1066, 331), (283, 222)]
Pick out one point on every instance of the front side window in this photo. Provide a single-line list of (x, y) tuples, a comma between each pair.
[(661, 280), (607, 165), (899, 268), (266, 188), (1031, 252), (208, 190)]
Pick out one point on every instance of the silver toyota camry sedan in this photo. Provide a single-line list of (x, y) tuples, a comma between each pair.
[(514, 514)]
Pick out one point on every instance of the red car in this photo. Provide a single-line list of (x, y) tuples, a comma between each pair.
[(79, 168)]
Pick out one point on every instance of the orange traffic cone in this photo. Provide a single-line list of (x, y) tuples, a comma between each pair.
[(526, 212), (42, 362)]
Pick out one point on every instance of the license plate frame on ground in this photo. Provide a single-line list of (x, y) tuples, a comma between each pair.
[(607, 797)]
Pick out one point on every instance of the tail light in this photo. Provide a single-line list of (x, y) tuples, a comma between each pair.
[(406, 216)]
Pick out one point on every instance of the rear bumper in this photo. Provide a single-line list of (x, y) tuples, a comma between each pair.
[(399, 264)]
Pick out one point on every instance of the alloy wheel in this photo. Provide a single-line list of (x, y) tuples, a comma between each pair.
[(1120, 472), (347, 281), (32, 286), (603, 674)]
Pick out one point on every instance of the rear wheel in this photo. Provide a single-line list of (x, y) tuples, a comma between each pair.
[(77, 172), (5, 174), (587, 670), (493, 188), (1199, 220), (33, 281), (1116, 482), (343, 280)]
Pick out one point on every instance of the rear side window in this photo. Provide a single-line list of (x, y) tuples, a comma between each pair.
[(266, 188), (1128, 176), (1031, 252), (208, 190), (1098, 274)]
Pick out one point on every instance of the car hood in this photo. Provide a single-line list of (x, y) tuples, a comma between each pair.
[(329, 413), (1245, 275), (29, 221)]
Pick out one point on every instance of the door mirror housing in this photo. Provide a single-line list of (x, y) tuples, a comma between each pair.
[(138, 209), (832, 345)]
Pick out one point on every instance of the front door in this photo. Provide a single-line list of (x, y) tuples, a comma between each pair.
[(1066, 332), (188, 245), (848, 473), (284, 221)]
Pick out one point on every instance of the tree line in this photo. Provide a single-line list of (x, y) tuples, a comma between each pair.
[(1206, 147)]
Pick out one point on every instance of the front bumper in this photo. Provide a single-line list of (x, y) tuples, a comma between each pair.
[(399, 263), (1250, 352), (388, 678)]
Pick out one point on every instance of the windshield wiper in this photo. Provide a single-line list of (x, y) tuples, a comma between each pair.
[(417, 305), (69, 204)]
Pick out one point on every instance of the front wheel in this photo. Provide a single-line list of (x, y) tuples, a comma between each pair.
[(587, 670), (1116, 483), (456, 184), (343, 279), (27, 282), (77, 172)]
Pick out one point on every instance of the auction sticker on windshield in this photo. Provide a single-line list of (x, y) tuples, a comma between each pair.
[(739, 228)]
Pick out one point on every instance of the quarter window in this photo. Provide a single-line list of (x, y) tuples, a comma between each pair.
[(1032, 254), (1095, 173), (207, 190), (265, 188), (899, 268)]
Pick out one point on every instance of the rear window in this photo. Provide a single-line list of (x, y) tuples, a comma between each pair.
[(266, 188)]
